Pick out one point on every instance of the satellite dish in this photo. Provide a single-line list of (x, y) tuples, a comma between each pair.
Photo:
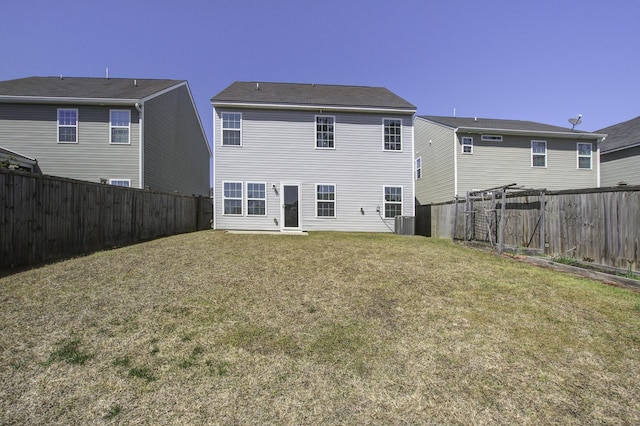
[(575, 121)]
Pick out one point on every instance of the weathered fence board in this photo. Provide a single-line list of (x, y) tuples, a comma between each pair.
[(45, 218), (599, 225)]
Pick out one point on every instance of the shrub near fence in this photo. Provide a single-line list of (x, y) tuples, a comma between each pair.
[(44, 218), (600, 225)]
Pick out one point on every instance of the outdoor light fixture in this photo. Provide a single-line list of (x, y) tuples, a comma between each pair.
[(361, 210), (275, 189)]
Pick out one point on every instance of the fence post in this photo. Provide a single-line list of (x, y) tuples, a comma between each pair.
[(503, 212), (198, 212), (542, 219), (455, 220)]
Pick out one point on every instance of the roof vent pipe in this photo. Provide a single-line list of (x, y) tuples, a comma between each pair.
[(257, 86)]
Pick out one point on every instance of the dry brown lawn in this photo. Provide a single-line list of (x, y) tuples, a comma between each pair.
[(333, 328)]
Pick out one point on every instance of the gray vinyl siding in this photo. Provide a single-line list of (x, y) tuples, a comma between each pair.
[(620, 166), (31, 130), (279, 147), (435, 145), (176, 157), (501, 163)]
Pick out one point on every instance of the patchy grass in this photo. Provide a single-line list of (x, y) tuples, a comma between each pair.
[(329, 328)]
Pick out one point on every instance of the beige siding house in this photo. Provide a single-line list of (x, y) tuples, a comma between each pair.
[(620, 154), (297, 157), (129, 132), (457, 155)]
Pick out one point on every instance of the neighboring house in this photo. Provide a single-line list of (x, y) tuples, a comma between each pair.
[(292, 157), (456, 155), (620, 154), (129, 132), (16, 161)]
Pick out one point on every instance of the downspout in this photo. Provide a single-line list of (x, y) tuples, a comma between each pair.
[(413, 163), (598, 163), (455, 162), (213, 163), (138, 106)]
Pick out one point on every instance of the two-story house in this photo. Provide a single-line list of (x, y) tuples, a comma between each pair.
[(140, 133), (292, 157), (620, 154), (455, 155)]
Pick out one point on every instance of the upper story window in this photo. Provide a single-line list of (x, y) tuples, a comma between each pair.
[(256, 199), (326, 200), (539, 153), (67, 125), (418, 167), (491, 138), (392, 134), (120, 125), (232, 198), (232, 128), (584, 155), (392, 201), (467, 145), (120, 182), (324, 131)]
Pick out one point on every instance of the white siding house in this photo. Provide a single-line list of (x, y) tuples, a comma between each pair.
[(469, 154), (620, 154), (297, 157), (129, 132)]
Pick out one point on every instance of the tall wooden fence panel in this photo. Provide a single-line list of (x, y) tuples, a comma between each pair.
[(44, 218), (599, 225)]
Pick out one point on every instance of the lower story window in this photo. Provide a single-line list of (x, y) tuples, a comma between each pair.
[(120, 182), (392, 201), (326, 200), (256, 199), (232, 198)]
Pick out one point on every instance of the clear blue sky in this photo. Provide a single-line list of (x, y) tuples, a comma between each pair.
[(543, 60)]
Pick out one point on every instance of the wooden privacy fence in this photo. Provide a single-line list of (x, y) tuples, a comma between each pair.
[(44, 218), (600, 225)]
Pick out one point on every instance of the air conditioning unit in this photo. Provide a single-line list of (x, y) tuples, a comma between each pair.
[(405, 225)]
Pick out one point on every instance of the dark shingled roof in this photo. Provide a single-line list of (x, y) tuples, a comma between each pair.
[(311, 95), (84, 87), (621, 135), (491, 123)]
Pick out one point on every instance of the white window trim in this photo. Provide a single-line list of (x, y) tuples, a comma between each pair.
[(584, 156), (58, 125), (418, 170), (224, 197), (546, 157), (334, 201), (383, 213), (121, 180), (222, 128), (246, 192), (401, 136), (111, 126), (467, 138), (315, 133), (491, 138)]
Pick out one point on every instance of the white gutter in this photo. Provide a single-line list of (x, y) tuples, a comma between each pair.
[(316, 107), (542, 133), (621, 149), (63, 100)]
